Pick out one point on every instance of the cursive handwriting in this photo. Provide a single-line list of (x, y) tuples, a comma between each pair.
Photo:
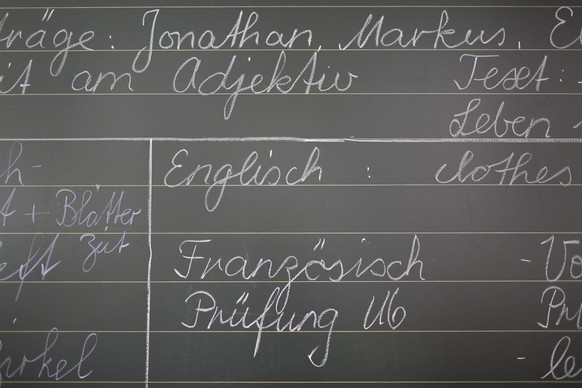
[(555, 299), (39, 257), (243, 33), (249, 174), (274, 315), (514, 78), (564, 27), (75, 211), (510, 170), (558, 265), (99, 246), (281, 79), (63, 41), (441, 36), (293, 268), (45, 366), (469, 123), (562, 365)]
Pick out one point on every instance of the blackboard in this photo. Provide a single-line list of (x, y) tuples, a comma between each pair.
[(290, 193)]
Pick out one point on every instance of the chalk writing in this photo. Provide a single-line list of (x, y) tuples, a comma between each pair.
[(39, 259), (469, 123), (292, 268), (206, 312), (79, 211), (514, 79), (43, 364), (249, 174), (509, 171), (280, 80), (555, 299), (568, 264), (562, 363), (441, 36)]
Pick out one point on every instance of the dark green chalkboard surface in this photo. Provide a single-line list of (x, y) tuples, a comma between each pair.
[(290, 193)]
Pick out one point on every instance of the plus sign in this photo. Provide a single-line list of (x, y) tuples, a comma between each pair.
[(34, 213)]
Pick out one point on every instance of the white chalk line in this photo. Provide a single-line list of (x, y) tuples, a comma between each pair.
[(149, 276), (283, 139)]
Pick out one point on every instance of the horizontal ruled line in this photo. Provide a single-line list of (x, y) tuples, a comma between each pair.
[(305, 49), (292, 94), (365, 382), (234, 6), (463, 140), (298, 382), (304, 185), (269, 233), (142, 282), (284, 139), (398, 331)]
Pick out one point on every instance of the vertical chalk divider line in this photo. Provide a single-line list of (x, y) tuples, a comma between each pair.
[(149, 275)]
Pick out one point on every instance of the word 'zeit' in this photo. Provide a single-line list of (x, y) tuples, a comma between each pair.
[(248, 174), (562, 363), (293, 268), (101, 246), (205, 311), (492, 78), (280, 79), (43, 364), (510, 170), (568, 263), (441, 36), (558, 310)]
